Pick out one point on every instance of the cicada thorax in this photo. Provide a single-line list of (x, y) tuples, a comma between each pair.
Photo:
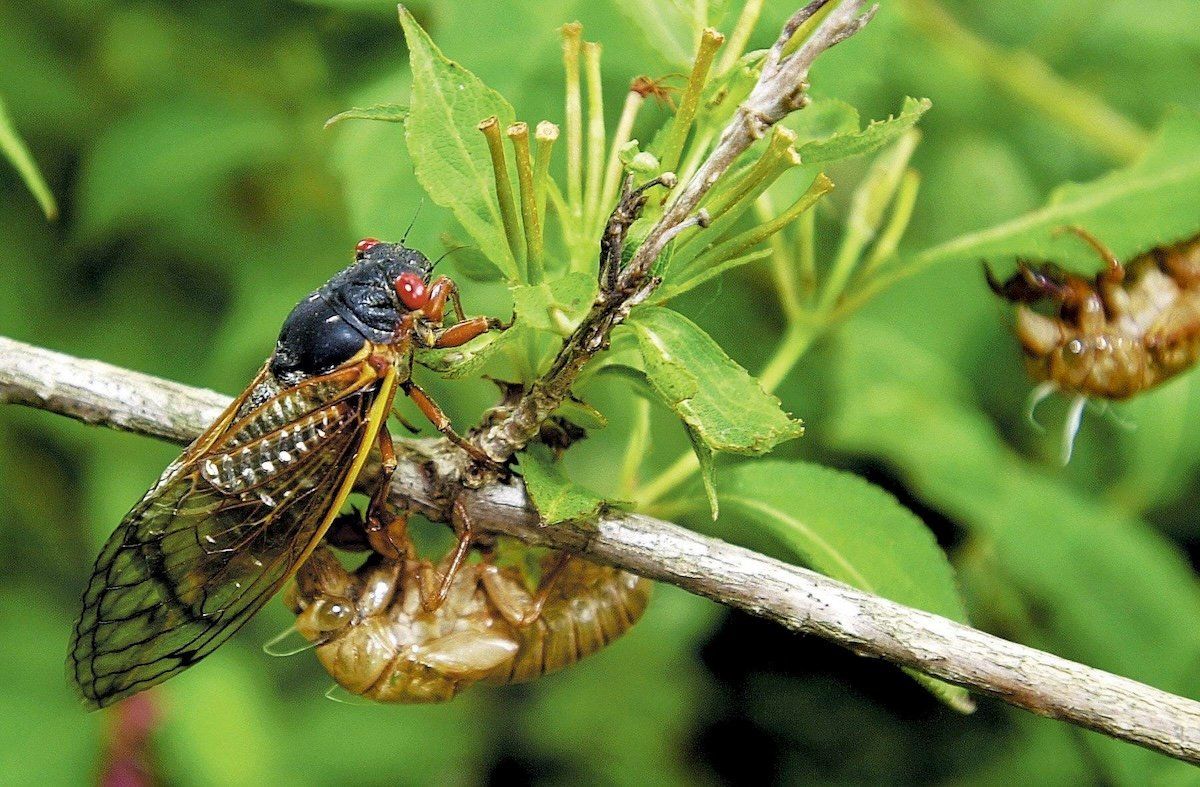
[(1131, 328), (383, 643)]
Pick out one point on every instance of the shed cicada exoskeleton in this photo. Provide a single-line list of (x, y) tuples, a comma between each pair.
[(1130, 328), (378, 636), (246, 504)]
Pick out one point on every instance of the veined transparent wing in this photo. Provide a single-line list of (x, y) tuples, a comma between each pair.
[(226, 525)]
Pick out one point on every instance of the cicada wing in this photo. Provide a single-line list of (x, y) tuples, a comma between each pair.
[(223, 529)]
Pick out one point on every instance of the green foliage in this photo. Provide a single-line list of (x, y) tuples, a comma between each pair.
[(715, 397), (469, 360), (1098, 567), (555, 306), (388, 113), (13, 148), (1149, 203), (556, 498), (117, 190), (707, 459), (671, 27), (843, 526), (678, 283), (449, 154), (832, 132)]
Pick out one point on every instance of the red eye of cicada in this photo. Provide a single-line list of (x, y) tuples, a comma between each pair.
[(412, 290), (365, 245)]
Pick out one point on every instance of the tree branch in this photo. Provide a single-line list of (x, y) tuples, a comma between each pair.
[(799, 599)]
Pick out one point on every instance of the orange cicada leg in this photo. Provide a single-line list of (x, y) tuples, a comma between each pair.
[(461, 521), (386, 528), (462, 332), (443, 289), (434, 413)]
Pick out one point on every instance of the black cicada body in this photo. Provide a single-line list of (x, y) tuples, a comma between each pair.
[(233, 518)]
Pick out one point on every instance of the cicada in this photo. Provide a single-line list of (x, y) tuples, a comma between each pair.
[(1130, 328), (378, 636), (232, 519)]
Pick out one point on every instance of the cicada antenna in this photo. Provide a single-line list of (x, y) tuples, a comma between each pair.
[(412, 223), (447, 253)]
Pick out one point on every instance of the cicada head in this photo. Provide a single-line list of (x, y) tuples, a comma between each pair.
[(324, 597), (365, 302), (385, 281)]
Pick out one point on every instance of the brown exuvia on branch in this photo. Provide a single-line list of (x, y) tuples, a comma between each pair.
[(377, 635)]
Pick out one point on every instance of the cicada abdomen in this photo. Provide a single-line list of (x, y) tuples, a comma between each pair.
[(376, 636), (1130, 328)]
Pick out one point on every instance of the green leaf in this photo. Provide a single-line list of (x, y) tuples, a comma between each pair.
[(450, 156), (14, 149), (581, 414), (708, 470), (468, 260), (672, 27), (388, 113), (719, 400), (822, 119), (556, 306), (840, 525), (1154, 201), (556, 497), (844, 144), (1114, 590), (693, 278)]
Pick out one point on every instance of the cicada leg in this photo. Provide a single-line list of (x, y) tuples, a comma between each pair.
[(1030, 284), (434, 413), (1109, 280), (461, 521), (1114, 271), (386, 528), (517, 607), (463, 330)]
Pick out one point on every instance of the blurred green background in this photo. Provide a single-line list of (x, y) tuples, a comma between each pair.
[(201, 199)]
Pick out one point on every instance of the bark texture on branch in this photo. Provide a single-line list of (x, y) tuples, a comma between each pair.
[(799, 599)]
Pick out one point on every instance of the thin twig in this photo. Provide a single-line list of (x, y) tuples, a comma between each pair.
[(799, 599)]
